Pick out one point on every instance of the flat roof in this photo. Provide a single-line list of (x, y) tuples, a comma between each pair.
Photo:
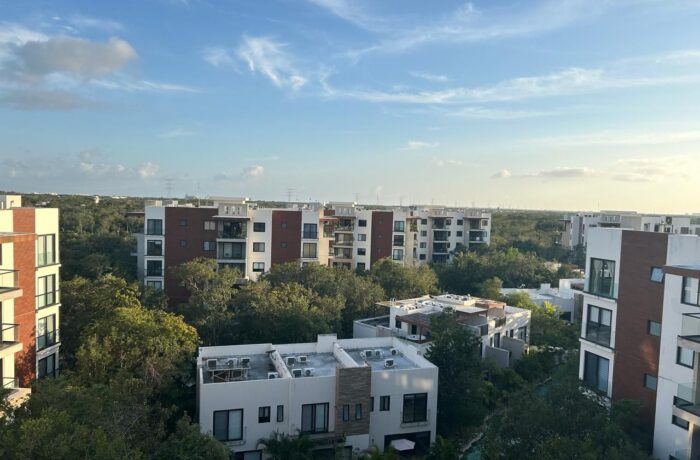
[(322, 364), (400, 362), (256, 369)]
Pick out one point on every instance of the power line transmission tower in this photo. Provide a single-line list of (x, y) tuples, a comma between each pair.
[(169, 181)]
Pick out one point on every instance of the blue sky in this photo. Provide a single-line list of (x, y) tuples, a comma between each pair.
[(570, 104)]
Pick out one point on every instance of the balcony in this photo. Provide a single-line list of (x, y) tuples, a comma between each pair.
[(158, 271), (690, 332), (439, 224), (440, 236), (9, 285), (477, 236), (345, 226), (308, 235), (9, 339), (343, 253), (440, 248), (47, 340), (232, 234), (346, 242), (424, 422), (687, 403), (49, 299)]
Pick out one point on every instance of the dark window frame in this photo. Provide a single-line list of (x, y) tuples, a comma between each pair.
[(154, 244), (653, 270), (264, 414), (678, 357), (595, 329), (385, 403), (314, 428), (345, 415), (415, 408), (257, 246), (258, 226), (154, 227), (601, 280), (649, 332), (260, 267), (596, 371), (280, 413), (697, 293), (362, 223), (227, 411), (358, 411), (43, 368), (680, 423), (654, 379)]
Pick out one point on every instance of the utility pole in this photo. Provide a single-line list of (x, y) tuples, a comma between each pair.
[(290, 192), (169, 181)]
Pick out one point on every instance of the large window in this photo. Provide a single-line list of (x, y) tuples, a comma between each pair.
[(602, 278), (46, 332), (309, 251), (310, 231), (231, 250), (258, 226), (399, 225), (264, 414), (415, 408), (232, 229), (154, 268), (258, 247), (398, 240), (361, 237), (397, 254), (46, 291), (598, 325), (47, 367), (46, 250), (228, 425), (685, 357), (691, 290), (154, 248), (595, 372), (314, 418), (154, 227)]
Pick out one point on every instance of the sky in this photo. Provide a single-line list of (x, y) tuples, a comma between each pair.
[(540, 104)]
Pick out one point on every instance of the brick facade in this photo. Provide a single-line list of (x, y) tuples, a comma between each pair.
[(353, 386)]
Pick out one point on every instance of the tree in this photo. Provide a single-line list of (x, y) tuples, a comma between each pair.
[(443, 449), (547, 330), (491, 288), (281, 446), (188, 443), (211, 292), (456, 352), (400, 282)]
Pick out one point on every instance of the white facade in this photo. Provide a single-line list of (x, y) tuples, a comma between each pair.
[(563, 297), (227, 382)]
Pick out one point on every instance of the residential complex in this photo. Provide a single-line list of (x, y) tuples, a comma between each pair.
[(640, 329), (576, 226), (252, 238), (29, 294), (344, 394), (567, 298), (504, 330)]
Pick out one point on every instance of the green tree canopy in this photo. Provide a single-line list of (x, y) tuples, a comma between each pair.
[(400, 282)]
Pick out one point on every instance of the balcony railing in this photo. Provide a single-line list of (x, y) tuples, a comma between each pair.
[(417, 422), (9, 280), (343, 242), (440, 236), (9, 333), (231, 234), (154, 272), (48, 299), (310, 235), (47, 340), (10, 383), (344, 228), (687, 398)]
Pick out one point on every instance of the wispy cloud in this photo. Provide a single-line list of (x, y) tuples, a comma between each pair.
[(419, 145), (354, 13), (217, 56), (657, 169), (253, 172), (129, 85), (431, 77), (441, 162), (502, 174), (20, 99), (563, 172), (484, 113), (88, 22), (269, 58), (621, 138)]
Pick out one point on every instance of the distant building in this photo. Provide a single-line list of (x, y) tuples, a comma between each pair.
[(565, 298), (29, 294), (240, 234), (576, 226), (504, 330), (344, 394)]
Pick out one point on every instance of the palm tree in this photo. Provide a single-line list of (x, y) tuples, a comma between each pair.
[(281, 446)]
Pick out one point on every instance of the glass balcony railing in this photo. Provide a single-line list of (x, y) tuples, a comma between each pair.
[(343, 242), (47, 340), (690, 326), (9, 280), (53, 298), (687, 398), (9, 333), (10, 383), (309, 235)]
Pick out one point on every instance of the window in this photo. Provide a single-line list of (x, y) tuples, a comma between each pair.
[(358, 411), (258, 267), (154, 268), (361, 237), (657, 275), (421, 257), (602, 278), (231, 251), (423, 245), (183, 222), (314, 418), (46, 291), (258, 247), (228, 425), (209, 225), (424, 221), (448, 222), (210, 246), (283, 225), (460, 222), (158, 285), (595, 372), (309, 251), (258, 226), (650, 381), (423, 233), (46, 332), (362, 223), (397, 254), (399, 225), (685, 357), (154, 248), (154, 227), (283, 245), (398, 240), (47, 367), (679, 422), (371, 403), (654, 328), (264, 414), (346, 412), (691, 288), (280, 413), (46, 250), (234, 229), (384, 403), (310, 231), (460, 233), (415, 408), (598, 325), (521, 333), (361, 251), (183, 243), (360, 265)]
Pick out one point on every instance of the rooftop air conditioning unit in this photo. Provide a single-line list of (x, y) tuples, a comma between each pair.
[(302, 359), (377, 354), (245, 362), (291, 360), (272, 375), (367, 354), (388, 363), (296, 372), (394, 352), (309, 371), (231, 363), (211, 363)]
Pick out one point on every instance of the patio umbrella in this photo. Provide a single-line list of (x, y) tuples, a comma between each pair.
[(403, 444)]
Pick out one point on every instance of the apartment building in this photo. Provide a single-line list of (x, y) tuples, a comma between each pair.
[(29, 294), (344, 394), (504, 330), (251, 238), (566, 298), (576, 226)]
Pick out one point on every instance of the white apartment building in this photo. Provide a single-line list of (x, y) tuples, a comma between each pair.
[(29, 294), (350, 394), (564, 298), (504, 330)]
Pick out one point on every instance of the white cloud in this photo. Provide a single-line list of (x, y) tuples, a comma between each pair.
[(562, 172), (352, 12), (441, 162), (87, 22), (253, 172), (431, 77), (502, 174), (147, 170), (269, 58), (419, 145), (621, 138), (657, 169), (45, 100), (217, 56), (126, 84), (483, 113)]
